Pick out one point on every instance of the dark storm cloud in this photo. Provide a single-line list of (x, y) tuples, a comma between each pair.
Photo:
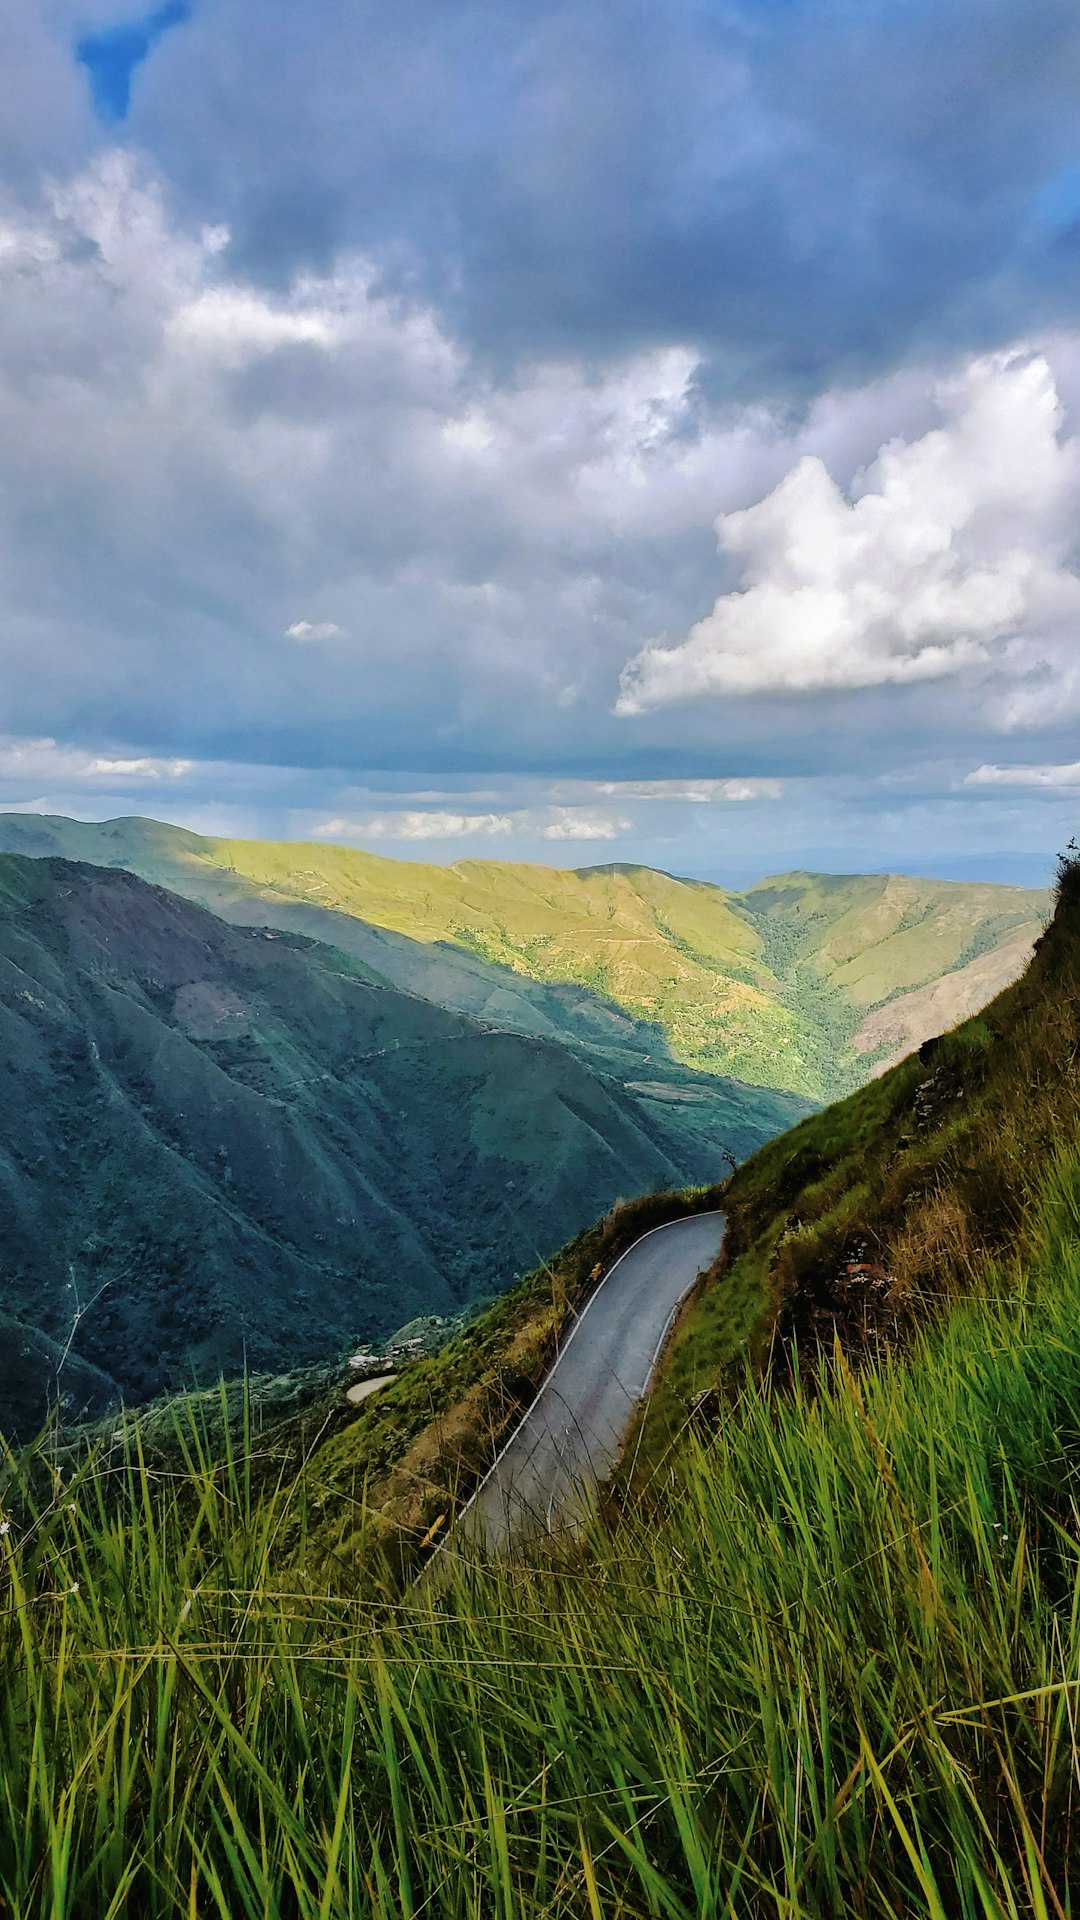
[(804, 190)]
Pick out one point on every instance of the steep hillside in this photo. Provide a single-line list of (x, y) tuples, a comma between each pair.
[(867, 1219), (806, 982), (826, 1667), (884, 961), (221, 1144)]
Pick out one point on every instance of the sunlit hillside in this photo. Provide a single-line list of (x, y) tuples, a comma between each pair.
[(806, 982)]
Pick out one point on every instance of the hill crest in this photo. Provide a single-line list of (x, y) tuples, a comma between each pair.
[(773, 986)]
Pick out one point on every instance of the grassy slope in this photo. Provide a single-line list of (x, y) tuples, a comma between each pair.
[(221, 1143), (831, 1673), (925, 1175), (770, 986), (380, 1476)]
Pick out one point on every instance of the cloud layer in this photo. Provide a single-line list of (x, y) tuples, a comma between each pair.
[(791, 189), (369, 411), (431, 825), (952, 549), (1057, 779)]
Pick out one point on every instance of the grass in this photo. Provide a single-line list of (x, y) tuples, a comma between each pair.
[(836, 1675), (376, 1478), (827, 1667), (393, 1476), (926, 1175)]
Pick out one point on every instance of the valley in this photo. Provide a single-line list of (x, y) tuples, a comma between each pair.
[(806, 983), (232, 1149), (539, 961), (227, 1147)]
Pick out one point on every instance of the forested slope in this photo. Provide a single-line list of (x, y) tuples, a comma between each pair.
[(222, 1146)]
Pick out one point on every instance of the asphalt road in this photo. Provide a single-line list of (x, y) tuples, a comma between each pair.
[(570, 1438)]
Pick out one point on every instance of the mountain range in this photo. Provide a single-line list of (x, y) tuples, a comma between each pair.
[(265, 1100), (807, 983), (812, 1650), (224, 1145)]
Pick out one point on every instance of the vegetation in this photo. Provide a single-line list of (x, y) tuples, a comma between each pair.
[(774, 986), (222, 1147), (878, 1212), (836, 1676), (825, 1667), (930, 1171), (371, 1481)]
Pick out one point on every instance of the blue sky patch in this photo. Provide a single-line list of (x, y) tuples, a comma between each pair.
[(1057, 205), (111, 57)]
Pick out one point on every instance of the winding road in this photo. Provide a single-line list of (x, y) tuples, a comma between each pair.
[(571, 1436)]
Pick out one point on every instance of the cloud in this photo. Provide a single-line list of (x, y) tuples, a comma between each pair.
[(143, 768), (418, 826), (237, 448), (189, 454), (575, 823), (1061, 777), (696, 792), (953, 545), (548, 823), (800, 198), (310, 630), (45, 759)]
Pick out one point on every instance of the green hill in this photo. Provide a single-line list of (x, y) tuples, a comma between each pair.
[(221, 1145), (807, 982), (818, 1659), (867, 1219)]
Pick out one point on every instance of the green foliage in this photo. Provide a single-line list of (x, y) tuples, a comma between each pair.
[(230, 1148), (825, 1669), (378, 1474), (921, 1177), (833, 1677)]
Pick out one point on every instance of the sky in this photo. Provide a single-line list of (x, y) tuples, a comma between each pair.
[(532, 431)]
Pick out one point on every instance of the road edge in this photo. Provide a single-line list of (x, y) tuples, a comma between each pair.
[(707, 1213)]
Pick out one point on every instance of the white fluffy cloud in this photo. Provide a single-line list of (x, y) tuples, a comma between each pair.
[(1060, 777), (419, 826), (695, 792), (546, 823), (954, 550), (188, 459), (50, 760), (306, 631), (576, 823), (221, 451)]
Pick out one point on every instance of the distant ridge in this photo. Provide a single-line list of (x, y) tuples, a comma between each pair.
[(781, 985)]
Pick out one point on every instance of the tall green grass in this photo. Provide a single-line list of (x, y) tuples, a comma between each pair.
[(833, 1670)]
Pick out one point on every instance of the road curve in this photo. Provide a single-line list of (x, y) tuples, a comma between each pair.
[(570, 1438)]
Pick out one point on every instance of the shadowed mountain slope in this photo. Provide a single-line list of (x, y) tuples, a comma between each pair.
[(219, 1143), (782, 985)]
